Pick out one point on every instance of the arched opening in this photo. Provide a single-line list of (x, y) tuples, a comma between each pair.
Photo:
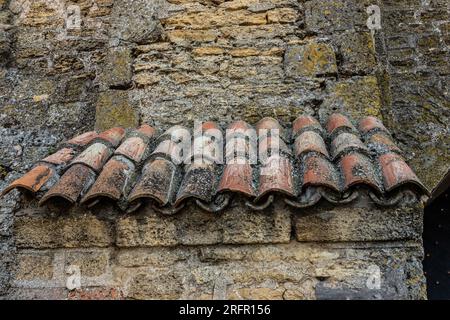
[(436, 239)]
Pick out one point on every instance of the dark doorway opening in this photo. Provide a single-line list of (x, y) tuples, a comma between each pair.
[(436, 239)]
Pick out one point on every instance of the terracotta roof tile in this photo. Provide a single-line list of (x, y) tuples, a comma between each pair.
[(310, 141), (320, 172), (346, 142), (357, 169), (147, 130), (305, 122), (33, 180), (83, 139), (61, 157), (199, 182), (276, 175), (302, 173), (133, 148), (238, 177), (95, 156), (158, 182), (337, 121), (112, 181), (371, 123), (396, 173), (381, 143), (114, 136), (72, 185)]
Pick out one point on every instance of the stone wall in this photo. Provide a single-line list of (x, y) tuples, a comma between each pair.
[(322, 253), (215, 60)]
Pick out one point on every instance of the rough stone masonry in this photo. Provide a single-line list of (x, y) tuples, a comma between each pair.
[(173, 62)]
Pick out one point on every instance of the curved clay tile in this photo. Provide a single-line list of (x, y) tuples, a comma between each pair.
[(357, 169), (133, 148), (337, 121), (112, 181), (238, 178), (310, 141), (95, 156), (345, 142), (83, 139), (381, 143), (114, 136), (146, 130), (269, 124), (61, 157), (158, 181), (270, 145), (199, 182), (397, 173), (33, 180), (206, 148), (73, 184), (305, 122), (276, 176), (317, 171), (371, 123)]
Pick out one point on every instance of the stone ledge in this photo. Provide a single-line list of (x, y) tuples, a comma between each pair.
[(348, 224)]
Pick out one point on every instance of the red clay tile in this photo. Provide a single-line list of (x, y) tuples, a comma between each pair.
[(94, 156), (345, 142), (276, 176), (207, 149), (310, 141), (33, 180), (239, 148), (147, 130), (112, 181), (199, 182), (268, 145), (158, 182), (73, 184), (397, 173), (177, 134), (209, 125), (241, 129), (113, 136), (83, 139), (170, 150), (370, 123), (269, 124), (357, 169), (62, 156), (336, 121), (320, 172), (305, 122), (133, 148), (381, 143), (238, 178)]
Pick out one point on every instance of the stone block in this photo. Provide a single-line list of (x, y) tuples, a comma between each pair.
[(62, 232), (92, 263), (194, 227), (164, 284), (113, 109), (335, 15), (359, 97), (312, 59), (357, 53), (350, 224), (34, 266), (118, 67)]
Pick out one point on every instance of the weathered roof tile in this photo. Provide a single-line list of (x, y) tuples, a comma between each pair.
[(168, 180), (95, 156), (33, 180), (72, 185)]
